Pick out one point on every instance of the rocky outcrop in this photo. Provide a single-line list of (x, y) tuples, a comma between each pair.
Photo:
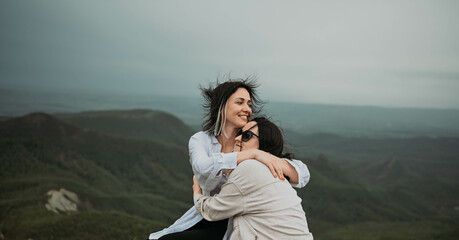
[(62, 201)]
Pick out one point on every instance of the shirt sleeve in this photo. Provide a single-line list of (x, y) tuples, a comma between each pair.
[(207, 166), (303, 172), (229, 202)]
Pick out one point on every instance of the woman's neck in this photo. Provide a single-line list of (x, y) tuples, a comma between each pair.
[(226, 139)]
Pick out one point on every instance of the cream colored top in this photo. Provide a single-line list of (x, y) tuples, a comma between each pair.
[(263, 207)]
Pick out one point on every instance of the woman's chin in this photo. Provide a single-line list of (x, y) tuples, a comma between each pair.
[(242, 123), (238, 124)]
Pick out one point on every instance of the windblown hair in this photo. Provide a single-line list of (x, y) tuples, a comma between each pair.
[(216, 98), (270, 138)]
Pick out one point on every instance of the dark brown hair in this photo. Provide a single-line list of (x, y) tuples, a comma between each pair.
[(216, 97), (270, 137)]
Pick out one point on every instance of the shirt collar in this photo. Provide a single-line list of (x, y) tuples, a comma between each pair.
[(214, 139)]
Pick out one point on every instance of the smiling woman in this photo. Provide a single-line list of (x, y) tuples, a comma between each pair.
[(232, 114), (229, 106)]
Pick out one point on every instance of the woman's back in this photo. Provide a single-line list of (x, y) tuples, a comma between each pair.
[(271, 207)]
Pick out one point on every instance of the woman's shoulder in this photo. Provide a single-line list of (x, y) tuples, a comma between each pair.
[(201, 136), (250, 166), (251, 175)]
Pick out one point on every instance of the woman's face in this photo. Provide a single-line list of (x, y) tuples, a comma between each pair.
[(238, 108), (252, 143)]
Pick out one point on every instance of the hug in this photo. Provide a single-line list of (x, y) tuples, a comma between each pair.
[(241, 191)]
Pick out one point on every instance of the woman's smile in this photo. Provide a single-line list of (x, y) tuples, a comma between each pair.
[(245, 117)]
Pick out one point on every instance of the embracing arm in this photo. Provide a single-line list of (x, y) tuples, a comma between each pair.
[(208, 165), (229, 202), (301, 171), (276, 167), (295, 170)]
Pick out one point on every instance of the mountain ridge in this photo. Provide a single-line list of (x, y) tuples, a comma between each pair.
[(148, 184)]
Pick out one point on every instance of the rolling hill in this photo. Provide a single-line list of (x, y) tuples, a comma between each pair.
[(132, 182), (121, 183), (137, 124)]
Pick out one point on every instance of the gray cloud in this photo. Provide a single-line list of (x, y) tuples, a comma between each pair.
[(389, 53)]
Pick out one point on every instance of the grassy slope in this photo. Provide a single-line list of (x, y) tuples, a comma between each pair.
[(415, 179), (120, 182), (137, 124), (127, 199)]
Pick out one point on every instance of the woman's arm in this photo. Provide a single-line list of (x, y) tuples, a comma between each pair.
[(229, 202), (208, 165), (295, 170), (269, 160), (302, 172)]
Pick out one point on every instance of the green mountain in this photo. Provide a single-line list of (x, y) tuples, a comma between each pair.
[(365, 121), (415, 179), (351, 121), (431, 156), (127, 188), (138, 124), (137, 180)]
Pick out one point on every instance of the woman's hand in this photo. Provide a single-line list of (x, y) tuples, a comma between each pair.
[(276, 165), (196, 187), (272, 162)]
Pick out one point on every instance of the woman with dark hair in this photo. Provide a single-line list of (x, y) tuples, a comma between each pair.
[(228, 106), (270, 137), (262, 207)]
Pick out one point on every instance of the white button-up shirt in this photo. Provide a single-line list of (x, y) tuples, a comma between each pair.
[(208, 163)]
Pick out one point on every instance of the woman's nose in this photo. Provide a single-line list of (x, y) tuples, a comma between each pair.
[(247, 108)]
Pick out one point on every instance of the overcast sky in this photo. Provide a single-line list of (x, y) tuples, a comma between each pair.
[(383, 53)]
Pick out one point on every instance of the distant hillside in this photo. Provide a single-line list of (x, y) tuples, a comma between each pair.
[(350, 121), (130, 187), (336, 196), (135, 124), (135, 185), (365, 121), (424, 155), (424, 168)]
